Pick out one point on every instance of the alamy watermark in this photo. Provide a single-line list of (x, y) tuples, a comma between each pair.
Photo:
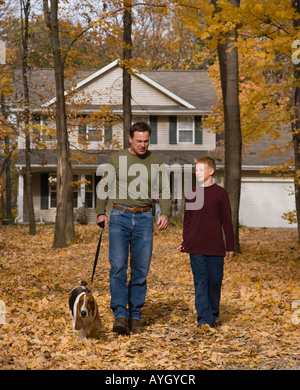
[(296, 53), (136, 182), (2, 53), (296, 313)]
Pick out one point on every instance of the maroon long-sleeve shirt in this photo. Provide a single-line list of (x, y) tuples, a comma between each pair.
[(203, 229)]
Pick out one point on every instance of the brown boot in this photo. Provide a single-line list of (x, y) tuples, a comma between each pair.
[(135, 325), (121, 325)]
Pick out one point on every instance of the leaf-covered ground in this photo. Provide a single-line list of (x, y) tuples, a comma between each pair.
[(255, 330)]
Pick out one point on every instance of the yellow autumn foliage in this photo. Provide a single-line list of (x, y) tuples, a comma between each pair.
[(257, 327)]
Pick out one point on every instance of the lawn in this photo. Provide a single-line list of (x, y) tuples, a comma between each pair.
[(256, 329)]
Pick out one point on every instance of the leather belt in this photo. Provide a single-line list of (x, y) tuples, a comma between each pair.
[(132, 209)]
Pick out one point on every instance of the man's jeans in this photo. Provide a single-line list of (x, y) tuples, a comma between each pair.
[(134, 232), (208, 275)]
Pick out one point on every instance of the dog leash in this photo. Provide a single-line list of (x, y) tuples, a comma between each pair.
[(101, 225)]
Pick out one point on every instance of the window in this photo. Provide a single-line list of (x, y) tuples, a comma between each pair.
[(185, 129), (91, 132), (48, 130), (53, 194), (89, 191), (75, 192), (52, 190), (94, 134), (43, 130)]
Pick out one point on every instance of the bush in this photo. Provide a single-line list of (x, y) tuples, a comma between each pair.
[(81, 216)]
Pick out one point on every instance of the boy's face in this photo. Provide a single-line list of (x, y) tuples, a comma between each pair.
[(203, 172)]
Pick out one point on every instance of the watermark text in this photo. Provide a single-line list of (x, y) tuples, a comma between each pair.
[(138, 181)]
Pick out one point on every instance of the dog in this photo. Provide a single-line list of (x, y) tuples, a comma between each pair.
[(84, 312)]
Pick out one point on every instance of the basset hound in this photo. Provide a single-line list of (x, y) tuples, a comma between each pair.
[(84, 312)]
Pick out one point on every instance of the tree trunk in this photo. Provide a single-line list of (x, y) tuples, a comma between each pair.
[(70, 230), (229, 70), (296, 124), (8, 180), (127, 50), (25, 7), (6, 164), (63, 162)]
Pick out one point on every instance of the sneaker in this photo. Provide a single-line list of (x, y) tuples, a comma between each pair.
[(121, 325)]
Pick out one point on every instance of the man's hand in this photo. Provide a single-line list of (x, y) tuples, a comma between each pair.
[(162, 222), (103, 218)]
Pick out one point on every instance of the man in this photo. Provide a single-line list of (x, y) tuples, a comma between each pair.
[(131, 223)]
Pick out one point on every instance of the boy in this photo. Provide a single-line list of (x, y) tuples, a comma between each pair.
[(203, 240)]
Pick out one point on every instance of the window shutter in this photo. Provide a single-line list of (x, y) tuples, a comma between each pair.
[(82, 132), (153, 124), (97, 179), (108, 133), (172, 130), (36, 130), (198, 130), (44, 191)]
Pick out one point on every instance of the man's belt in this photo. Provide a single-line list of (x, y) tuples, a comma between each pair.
[(132, 209)]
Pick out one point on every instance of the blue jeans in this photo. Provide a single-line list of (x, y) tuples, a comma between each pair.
[(129, 233), (208, 275)]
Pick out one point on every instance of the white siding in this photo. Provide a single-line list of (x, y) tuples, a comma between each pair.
[(144, 94), (264, 200), (209, 139), (73, 137), (107, 89), (117, 136), (104, 90), (49, 214), (21, 140)]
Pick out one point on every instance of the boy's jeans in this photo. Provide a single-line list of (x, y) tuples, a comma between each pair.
[(208, 275), (134, 231)]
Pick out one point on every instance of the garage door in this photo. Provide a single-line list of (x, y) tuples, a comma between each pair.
[(263, 202)]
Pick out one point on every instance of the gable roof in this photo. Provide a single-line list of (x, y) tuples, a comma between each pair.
[(142, 76), (41, 85), (190, 91), (193, 85)]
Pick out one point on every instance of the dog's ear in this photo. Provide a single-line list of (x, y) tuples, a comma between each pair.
[(97, 321), (78, 322), (95, 308)]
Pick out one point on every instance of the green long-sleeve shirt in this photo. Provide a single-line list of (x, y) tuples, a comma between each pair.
[(131, 179)]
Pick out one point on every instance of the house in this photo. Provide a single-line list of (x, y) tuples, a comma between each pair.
[(266, 197), (174, 103)]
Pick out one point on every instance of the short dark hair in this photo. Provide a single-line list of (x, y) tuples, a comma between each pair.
[(139, 126), (210, 162)]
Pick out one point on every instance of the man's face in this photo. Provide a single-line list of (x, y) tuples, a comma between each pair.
[(140, 142)]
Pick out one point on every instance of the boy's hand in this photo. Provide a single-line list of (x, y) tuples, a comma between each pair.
[(229, 255), (180, 248)]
